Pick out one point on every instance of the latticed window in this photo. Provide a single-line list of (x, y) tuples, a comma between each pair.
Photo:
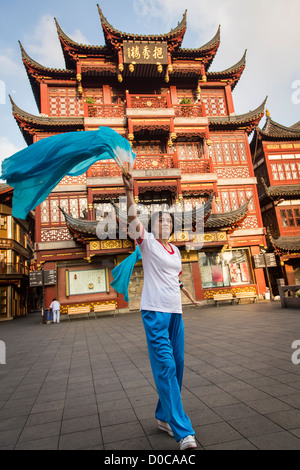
[(189, 151), (290, 217), (285, 171), (214, 101), (51, 214), (232, 199), (186, 95), (228, 150), (64, 102), (147, 148)]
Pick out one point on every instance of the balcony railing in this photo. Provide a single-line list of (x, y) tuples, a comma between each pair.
[(9, 268), (104, 110), (142, 102), (188, 110), (195, 166), (148, 101), (142, 162), (109, 168), (161, 161), (105, 169)]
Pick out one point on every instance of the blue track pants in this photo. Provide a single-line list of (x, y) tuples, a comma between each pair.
[(165, 340)]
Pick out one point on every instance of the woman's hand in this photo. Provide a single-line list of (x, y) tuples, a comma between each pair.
[(128, 180), (199, 304)]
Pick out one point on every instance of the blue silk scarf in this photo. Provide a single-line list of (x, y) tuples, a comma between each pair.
[(122, 273), (35, 171)]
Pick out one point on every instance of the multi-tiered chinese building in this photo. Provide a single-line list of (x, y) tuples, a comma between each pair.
[(276, 158), (191, 149)]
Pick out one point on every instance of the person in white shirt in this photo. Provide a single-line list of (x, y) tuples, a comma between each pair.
[(55, 306), (161, 311)]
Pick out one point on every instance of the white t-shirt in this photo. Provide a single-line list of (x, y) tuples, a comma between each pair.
[(161, 290), (55, 305)]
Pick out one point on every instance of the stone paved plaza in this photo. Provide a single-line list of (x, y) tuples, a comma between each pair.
[(87, 384)]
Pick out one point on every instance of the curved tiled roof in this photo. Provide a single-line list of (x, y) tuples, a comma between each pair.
[(177, 31), (228, 219), (28, 61), (281, 191), (210, 45), (285, 244), (248, 119), (273, 130), (44, 122), (225, 220), (232, 73)]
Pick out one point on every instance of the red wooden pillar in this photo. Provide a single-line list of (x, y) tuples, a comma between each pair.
[(229, 99), (259, 273), (44, 98), (173, 95), (106, 94), (199, 292)]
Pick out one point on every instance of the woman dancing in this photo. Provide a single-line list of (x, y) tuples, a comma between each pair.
[(161, 311)]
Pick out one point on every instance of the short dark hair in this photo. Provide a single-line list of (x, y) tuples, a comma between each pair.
[(159, 214)]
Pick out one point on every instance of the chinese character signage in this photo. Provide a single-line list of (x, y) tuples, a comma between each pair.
[(142, 52)]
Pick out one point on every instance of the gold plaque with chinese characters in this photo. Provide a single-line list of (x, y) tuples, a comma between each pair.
[(144, 52)]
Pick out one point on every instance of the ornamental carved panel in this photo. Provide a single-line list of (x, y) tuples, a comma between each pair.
[(250, 222), (106, 110), (232, 172), (55, 235), (149, 101), (81, 179)]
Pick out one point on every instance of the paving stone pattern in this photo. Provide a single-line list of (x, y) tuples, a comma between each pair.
[(87, 384)]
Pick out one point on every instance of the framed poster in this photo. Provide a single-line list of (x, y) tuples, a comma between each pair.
[(90, 281)]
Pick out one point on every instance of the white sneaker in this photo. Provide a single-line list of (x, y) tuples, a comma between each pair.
[(187, 442), (163, 426)]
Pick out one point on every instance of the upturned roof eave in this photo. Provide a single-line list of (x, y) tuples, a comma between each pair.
[(249, 119), (233, 73), (274, 131), (108, 29)]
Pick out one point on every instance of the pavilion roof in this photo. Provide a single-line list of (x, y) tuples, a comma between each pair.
[(246, 121), (232, 74), (36, 72), (274, 131), (229, 220), (281, 191), (29, 122), (285, 244), (69, 46), (82, 228), (114, 37)]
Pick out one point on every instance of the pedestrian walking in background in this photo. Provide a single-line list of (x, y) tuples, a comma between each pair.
[(55, 306)]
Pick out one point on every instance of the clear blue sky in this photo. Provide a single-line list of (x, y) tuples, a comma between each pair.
[(268, 29)]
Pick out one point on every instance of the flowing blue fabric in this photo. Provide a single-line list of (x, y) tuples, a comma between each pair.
[(122, 273), (36, 170)]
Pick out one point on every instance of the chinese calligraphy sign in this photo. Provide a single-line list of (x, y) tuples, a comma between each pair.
[(142, 52)]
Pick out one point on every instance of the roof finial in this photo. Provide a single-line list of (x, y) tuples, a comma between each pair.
[(267, 113)]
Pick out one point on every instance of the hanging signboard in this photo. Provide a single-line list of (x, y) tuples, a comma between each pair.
[(267, 260), (259, 261), (270, 260), (145, 52), (50, 277), (35, 278)]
